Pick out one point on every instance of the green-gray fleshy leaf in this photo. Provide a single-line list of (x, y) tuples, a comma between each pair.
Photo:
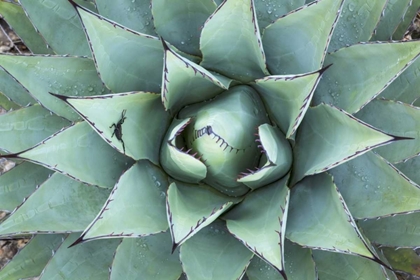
[(19, 22), (20, 182), (144, 116), (356, 23), (411, 168), (136, 206), (148, 256), (328, 137), (26, 127), (13, 90), (295, 46), (372, 187), (403, 259), (361, 72), (180, 22), (56, 207), (214, 254), (6, 103), (30, 261), (260, 270), (299, 263), (259, 222), (121, 62), (192, 207), (235, 50), (80, 153), (87, 261), (75, 76), (185, 82), (398, 119), (407, 19), (287, 98), (132, 14), (397, 231), (67, 35), (319, 218), (268, 11)]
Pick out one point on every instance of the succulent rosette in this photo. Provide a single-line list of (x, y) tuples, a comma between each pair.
[(174, 139)]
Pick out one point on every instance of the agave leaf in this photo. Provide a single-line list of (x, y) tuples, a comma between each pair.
[(192, 207), (185, 82), (299, 263), (90, 261), (403, 259), (136, 206), (148, 256), (6, 103), (20, 182), (234, 50), (390, 20), (411, 168), (88, 4), (269, 11), (56, 207), (361, 72), (214, 254), (60, 74), (13, 90), (67, 35), (372, 187), (319, 218), (26, 127), (383, 115), (328, 137), (260, 270), (407, 19), (259, 222), (81, 154), (114, 58), (180, 22), (356, 23), (396, 231), (19, 22), (141, 114), (332, 266), (30, 261), (288, 97), (295, 46)]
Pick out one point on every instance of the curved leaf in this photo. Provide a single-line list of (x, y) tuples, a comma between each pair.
[(403, 259), (260, 270), (136, 206), (411, 168), (13, 90), (269, 11), (148, 256), (220, 46), (299, 262), (26, 127), (56, 207), (407, 19), (6, 103), (295, 46)]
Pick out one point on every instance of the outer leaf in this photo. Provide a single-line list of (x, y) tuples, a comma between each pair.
[(395, 231), (13, 90), (214, 254), (6, 103), (30, 261), (288, 97), (20, 182), (132, 14), (407, 19), (329, 137), (403, 259), (319, 218), (185, 82), (148, 256), (145, 120), (398, 119), (114, 58), (361, 72), (56, 206), (411, 168), (295, 46), (192, 207), (259, 222), (180, 22), (136, 206), (299, 262), (19, 22), (59, 74), (260, 270), (332, 266), (356, 23), (88, 261), (220, 45), (26, 127), (269, 11), (372, 187), (80, 153), (67, 35)]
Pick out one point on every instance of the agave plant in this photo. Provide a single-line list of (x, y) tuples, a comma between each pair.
[(174, 139)]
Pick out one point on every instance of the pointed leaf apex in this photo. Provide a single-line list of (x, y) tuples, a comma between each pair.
[(62, 97), (80, 239)]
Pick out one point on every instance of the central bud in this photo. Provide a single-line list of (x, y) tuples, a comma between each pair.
[(222, 134)]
